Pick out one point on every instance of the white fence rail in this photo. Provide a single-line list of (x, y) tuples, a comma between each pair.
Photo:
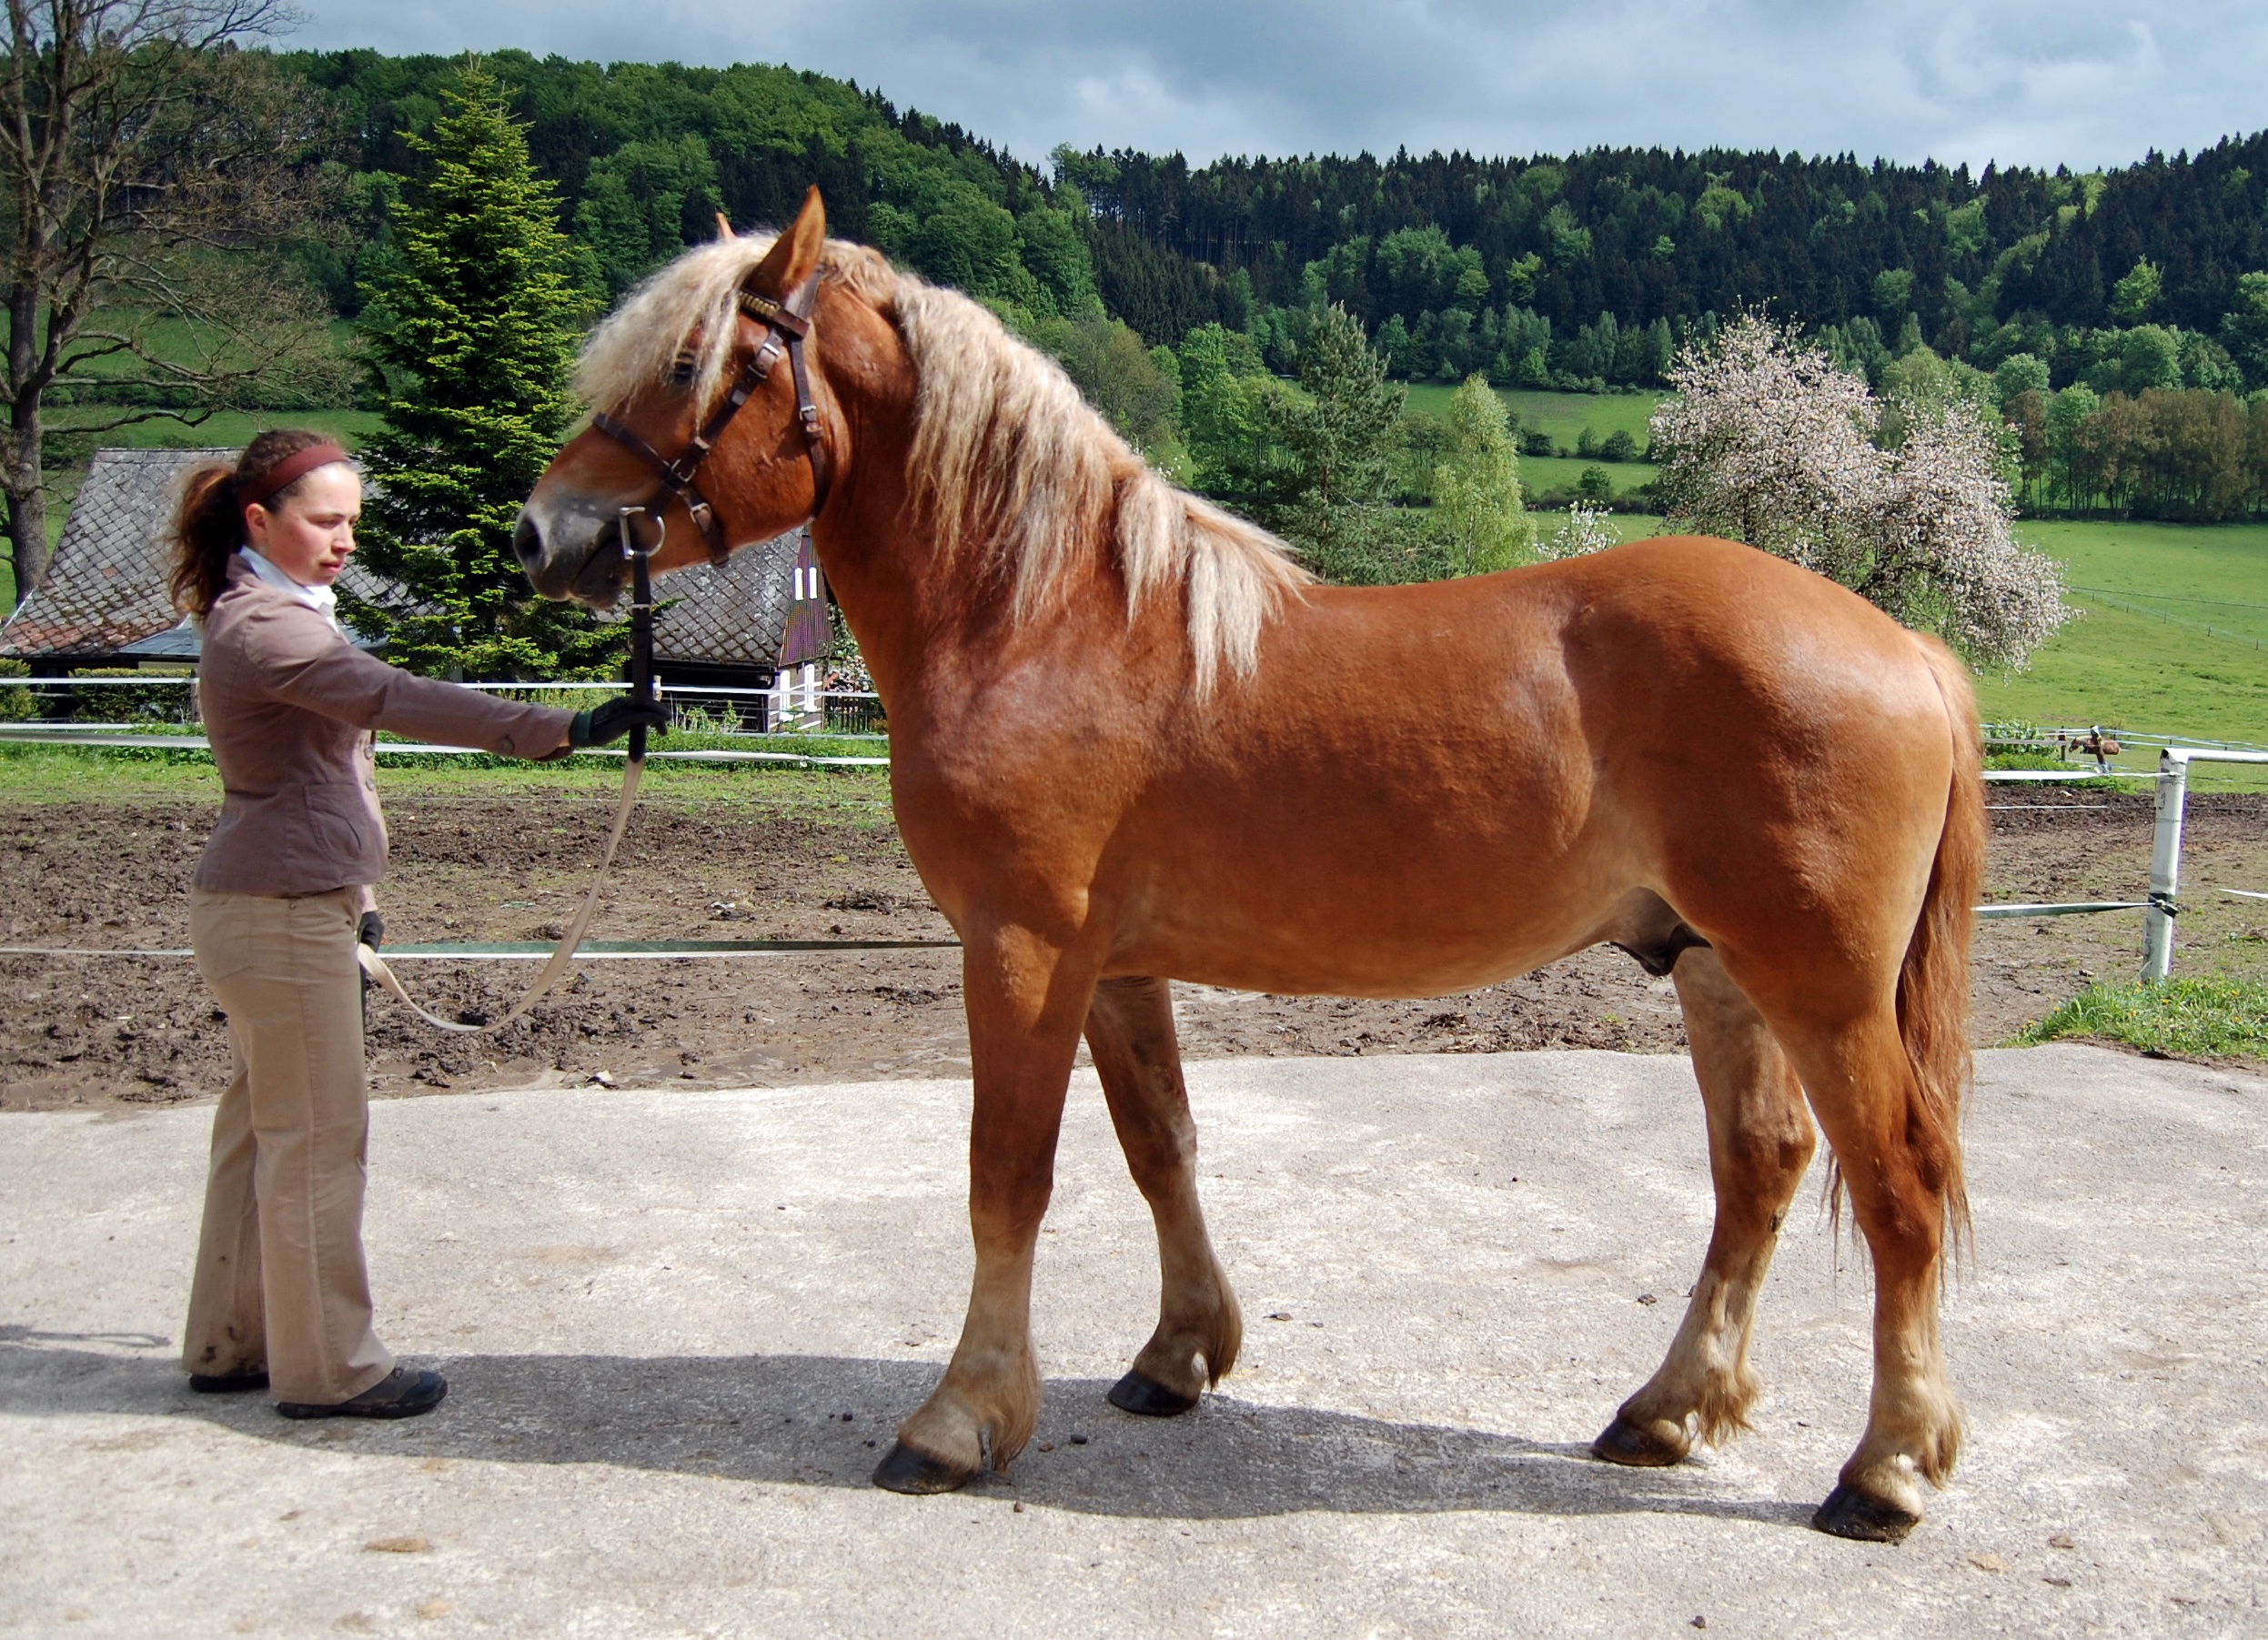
[(796, 704), (2165, 849)]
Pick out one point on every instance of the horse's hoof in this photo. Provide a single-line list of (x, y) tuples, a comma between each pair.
[(1146, 1397), (1623, 1441), (915, 1473), (1849, 1513)]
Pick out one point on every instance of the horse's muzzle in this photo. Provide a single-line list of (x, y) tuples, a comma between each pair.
[(574, 552)]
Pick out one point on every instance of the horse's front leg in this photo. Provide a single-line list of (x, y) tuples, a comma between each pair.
[(1026, 1000), (1129, 1027)]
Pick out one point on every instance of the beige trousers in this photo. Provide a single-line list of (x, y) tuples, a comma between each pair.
[(280, 1282)]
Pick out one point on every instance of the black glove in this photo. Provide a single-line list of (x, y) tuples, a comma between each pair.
[(605, 724)]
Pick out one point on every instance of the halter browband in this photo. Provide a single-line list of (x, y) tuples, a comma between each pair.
[(785, 325)]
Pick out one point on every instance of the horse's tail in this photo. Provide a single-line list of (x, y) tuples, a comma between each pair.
[(1933, 983)]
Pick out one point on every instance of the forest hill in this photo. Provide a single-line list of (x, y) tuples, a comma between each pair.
[(2106, 316), (1649, 234), (1588, 269)]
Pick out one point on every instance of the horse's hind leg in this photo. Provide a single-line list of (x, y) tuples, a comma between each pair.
[(1898, 1170), (1759, 1141), (1130, 1028)]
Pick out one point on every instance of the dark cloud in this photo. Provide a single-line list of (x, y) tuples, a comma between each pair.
[(2020, 81)]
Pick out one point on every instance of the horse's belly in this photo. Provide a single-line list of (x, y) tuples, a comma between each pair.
[(1384, 939), (1376, 973)]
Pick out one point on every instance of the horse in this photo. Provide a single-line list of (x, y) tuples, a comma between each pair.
[(1132, 741)]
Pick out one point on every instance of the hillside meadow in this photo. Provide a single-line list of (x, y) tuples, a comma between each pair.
[(1563, 416), (2172, 636)]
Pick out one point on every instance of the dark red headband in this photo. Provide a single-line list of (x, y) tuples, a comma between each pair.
[(257, 492)]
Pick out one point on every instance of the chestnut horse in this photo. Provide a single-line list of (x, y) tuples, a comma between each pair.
[(1132, 742)]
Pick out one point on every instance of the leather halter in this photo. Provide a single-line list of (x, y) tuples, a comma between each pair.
[(785, 325)]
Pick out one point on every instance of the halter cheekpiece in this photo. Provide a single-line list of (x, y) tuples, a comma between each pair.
[(785, 325)]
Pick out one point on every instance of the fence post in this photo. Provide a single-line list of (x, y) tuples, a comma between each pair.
[(2165, 865)]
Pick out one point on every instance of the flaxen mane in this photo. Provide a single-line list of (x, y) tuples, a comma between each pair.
[(1010, 466)]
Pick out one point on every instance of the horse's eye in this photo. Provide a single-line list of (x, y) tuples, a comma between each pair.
[(681, 370)]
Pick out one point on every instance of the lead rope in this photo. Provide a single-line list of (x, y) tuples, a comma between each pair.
[(563, 955)]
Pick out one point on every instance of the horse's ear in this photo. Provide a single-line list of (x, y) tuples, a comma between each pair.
[(795, 256), (724, 226)]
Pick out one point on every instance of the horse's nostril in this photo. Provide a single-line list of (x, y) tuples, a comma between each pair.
[(527, 542)]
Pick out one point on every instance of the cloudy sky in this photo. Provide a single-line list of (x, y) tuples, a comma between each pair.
[(2083, 82)]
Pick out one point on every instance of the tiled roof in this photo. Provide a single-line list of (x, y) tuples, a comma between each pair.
[(104, 594), (730, 617), (105, 587)]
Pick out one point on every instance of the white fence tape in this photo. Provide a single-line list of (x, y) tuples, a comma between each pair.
[(2159, 911)]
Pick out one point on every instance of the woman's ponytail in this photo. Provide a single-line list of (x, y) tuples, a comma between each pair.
[(208, 524)]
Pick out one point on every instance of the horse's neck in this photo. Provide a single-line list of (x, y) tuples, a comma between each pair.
[(890, 577), (917, 615), (928, 626), (934, 631)]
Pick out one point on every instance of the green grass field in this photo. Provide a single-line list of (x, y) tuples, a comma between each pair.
[(1563, 416), (1539, 473), (234, 429), (36, 775), (2172, 636)]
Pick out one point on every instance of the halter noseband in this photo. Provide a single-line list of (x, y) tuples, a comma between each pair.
[(785, 325)]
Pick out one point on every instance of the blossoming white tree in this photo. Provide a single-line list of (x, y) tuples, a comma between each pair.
[(1768, 441)]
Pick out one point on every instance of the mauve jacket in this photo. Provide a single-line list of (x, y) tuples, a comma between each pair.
[(289, 706)]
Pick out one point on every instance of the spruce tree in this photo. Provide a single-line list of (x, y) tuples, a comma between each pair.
[(1331, 498), (473, 333)]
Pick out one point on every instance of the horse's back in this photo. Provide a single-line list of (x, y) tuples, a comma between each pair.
[(1686, 631), (1684, 641)]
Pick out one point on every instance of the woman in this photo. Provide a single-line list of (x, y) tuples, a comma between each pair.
[(280, 1297)]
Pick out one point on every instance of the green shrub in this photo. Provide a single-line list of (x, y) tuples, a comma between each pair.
[(17, 703), (162, 696)]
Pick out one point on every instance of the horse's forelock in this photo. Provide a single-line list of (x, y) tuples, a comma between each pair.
[(688, 305)]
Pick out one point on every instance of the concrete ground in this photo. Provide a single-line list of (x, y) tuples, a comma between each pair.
[(676, 1325)]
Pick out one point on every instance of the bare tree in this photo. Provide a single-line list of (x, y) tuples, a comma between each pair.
[(149, 170)]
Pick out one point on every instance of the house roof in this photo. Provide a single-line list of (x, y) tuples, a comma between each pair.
[(734, 615), (104, 595), (105, 585)]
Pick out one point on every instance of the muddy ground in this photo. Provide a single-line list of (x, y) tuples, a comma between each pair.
[(716, 862)]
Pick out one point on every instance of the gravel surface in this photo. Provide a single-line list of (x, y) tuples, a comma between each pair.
[(115, 872)]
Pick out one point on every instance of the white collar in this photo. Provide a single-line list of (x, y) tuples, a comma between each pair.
[(322, 601)]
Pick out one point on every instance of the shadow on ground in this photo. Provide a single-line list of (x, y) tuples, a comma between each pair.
[(780, 1420)]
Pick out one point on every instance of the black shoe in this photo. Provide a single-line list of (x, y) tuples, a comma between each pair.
[(226, 1384), (403, 1393)]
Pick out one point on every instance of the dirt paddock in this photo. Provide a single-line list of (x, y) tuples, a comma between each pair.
[(730, 859)]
